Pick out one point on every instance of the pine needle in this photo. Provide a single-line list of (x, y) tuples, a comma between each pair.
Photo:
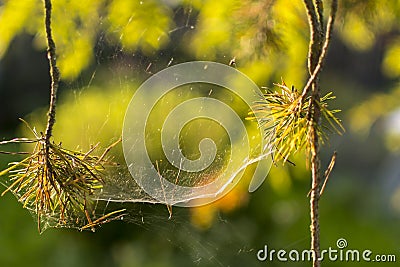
[(62, 185)]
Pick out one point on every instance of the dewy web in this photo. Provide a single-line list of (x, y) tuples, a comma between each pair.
[(190, 142)]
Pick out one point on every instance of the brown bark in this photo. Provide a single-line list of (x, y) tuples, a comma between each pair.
[(319, 41)]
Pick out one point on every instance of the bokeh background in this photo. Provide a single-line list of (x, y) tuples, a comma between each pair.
[(107, 48)]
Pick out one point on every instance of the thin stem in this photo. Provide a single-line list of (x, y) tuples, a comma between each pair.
[(328, 172), (325, 47), (54, 74), (315, 192), (51, 115), (316, 56), (320, 10), (315, 35)]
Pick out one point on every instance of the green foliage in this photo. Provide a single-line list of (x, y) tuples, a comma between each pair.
[(76, 25), (391, 64), (266, 37), (140, 25), (14, 16), (264, 43), (364, 21), (380, 106)]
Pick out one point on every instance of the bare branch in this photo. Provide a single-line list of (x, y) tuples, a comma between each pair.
[(54, 72), (14, 153), (328, 172), (324, 51), (315, 35), (320, 10), (318, 46)]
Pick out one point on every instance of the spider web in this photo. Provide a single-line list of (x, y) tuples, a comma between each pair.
[(116, 74)]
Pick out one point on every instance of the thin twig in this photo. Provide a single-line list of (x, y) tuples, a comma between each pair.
[(109, 148), (328, 172), (51, 115), (104, 219), (326, 175), (320, 11), (315, 35), (17, 140), (14, 153), (324, 51), (319, 42), (315, 196), (54, 73)]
